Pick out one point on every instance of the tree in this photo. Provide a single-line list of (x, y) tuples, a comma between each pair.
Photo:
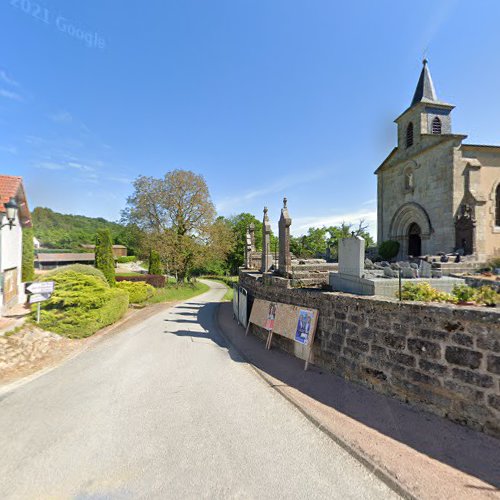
[(104, 259), (28, 263), (155, 266), (177, 216)]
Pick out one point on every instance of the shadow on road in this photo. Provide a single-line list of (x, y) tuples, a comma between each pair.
[(459, 447)]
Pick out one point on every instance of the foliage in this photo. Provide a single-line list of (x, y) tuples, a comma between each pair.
[(28, 262), (155, 280), (177, 217), (388, 249), (423, 292), (318, 239), (486, 295), (494, 263), (56, 230), (155, 266), (81, 304), (464, 293), (227, 280), (104, 259), (177, 292), (138, 291), (126, 259), (86, 269)]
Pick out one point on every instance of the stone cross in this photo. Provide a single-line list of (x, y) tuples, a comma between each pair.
[(267, 258), (352, 256), (285, 259)]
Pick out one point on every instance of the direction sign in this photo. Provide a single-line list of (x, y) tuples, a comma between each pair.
[(40, 287), (39, 297)]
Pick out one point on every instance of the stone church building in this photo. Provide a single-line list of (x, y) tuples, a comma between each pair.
[(435, 193)]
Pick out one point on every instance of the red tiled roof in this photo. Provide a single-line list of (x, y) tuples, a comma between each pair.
[(9, 187), (12, 186)]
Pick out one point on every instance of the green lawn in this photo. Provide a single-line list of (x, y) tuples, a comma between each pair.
[(182, 292), (228, 296)]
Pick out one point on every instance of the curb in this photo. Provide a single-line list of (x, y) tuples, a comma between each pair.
[(385, 476)]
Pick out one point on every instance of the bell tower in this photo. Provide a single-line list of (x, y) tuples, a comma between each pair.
[(426, 116)]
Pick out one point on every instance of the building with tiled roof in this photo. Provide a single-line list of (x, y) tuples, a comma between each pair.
[(11, 238)]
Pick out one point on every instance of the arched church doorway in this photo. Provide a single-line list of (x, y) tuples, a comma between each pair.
[(414, 240)]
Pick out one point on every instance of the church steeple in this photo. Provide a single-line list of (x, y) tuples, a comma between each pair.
[(425, 88)]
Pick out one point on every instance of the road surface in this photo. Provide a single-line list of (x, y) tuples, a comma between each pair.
[(165, 409)]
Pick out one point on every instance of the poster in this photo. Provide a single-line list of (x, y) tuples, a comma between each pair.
[(271, 316), (304, 326)]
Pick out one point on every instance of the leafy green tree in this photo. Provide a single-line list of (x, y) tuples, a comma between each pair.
[(155, 266), (28, 263), (104, 260)]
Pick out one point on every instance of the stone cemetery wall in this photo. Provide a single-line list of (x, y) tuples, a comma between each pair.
[(443, 358)]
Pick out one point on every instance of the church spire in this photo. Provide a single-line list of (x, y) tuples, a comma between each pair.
[(425, 88)]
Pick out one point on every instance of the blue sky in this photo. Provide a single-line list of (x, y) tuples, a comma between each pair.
[(265, 98)]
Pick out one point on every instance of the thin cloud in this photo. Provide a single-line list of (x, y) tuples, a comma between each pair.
[(4, 77), (9, 149), (61, 117), (229, 204), (10, 95)]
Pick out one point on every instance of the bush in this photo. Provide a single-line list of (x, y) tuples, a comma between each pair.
[(86, 269), (104, 259), (81, 304), (138, 291), (155, 266), (126, 258), (152, 279), (388, 249), (423, 292), (464, 293), (486, 295), (28, 262)]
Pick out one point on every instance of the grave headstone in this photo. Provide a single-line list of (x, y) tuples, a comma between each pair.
[(352, 256), (425, 269)]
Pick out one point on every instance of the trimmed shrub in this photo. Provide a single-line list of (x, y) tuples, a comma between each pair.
[(155, 266), (138, 291), (28, 263), (486, 295), (104, 259), (86, 269), (423, 292), (81, 305), (151, 279), (124, 259), (388, 249), (464, 293)]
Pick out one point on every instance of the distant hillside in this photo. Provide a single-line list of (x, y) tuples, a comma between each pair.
[(55, 230)]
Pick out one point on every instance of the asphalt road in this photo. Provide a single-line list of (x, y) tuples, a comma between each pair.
[(165, 409)]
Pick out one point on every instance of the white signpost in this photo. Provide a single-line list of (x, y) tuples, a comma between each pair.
[(39, 291)]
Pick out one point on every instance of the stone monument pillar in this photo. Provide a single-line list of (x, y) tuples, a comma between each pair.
[(267, 258), (251, 229), (285, 259), (248, 249), (352, 256)]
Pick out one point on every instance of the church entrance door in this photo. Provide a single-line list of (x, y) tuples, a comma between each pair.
[(464, 235), (414, 240)]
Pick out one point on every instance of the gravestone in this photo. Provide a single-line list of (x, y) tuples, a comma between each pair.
[(251, 229), (425, 269), (352, 256), (248, 249), (285, 259), (267, 258)]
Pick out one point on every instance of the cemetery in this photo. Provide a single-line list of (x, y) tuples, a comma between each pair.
[(442, 357)]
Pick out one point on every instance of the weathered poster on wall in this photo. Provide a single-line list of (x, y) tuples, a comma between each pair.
[(271, 317)]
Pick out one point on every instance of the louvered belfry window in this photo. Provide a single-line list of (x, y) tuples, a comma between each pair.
[(409, 135), (436, 126)]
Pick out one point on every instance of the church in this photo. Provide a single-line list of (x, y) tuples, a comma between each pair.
[(434, 192)]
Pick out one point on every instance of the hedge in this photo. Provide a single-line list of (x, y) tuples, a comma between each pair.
[(138, 291), (124, 259), (86, 269), (156, 280), (81, 305)]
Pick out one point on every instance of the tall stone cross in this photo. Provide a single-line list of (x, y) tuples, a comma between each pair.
[(267, 258), (285, 259)]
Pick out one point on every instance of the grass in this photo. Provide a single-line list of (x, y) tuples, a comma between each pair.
[(228, 296), (182, 292)]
